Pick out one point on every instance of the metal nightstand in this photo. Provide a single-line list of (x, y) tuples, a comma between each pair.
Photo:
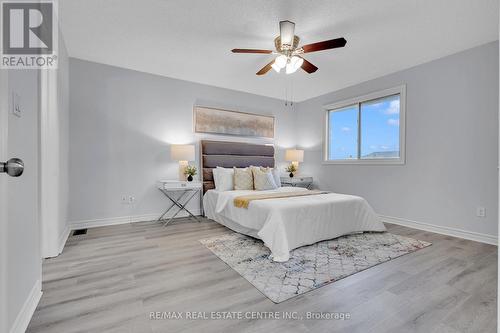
[(297, 181), (180, 194)]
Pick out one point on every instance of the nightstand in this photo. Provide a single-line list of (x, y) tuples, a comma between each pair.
[(297, 181), (179, 193)]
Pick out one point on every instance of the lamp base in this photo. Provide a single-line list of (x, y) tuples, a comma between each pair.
[(182, 169)]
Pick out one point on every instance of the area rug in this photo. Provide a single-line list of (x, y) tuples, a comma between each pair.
[(309, 267)]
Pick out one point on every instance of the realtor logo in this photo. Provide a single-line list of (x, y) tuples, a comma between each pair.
[(29, 34)]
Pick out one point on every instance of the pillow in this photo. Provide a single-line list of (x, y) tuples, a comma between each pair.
[(243, 179), (223, 179), (276, 176), (274, 171), (263, 180)]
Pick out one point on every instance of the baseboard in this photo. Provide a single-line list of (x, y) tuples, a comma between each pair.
[(63, 238), (54, 252), (28, 309), (454, 232), (83, 224)]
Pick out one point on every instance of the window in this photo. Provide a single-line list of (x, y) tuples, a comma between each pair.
[(367, 130)]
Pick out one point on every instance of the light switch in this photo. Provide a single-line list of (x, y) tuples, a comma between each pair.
[(16, 104), (481, 212)]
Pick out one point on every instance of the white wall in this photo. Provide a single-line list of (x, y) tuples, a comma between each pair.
[(23, 234), (122, 124), (451, 144)]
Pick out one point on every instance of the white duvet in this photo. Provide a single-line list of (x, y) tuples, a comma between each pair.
[(288, 223)]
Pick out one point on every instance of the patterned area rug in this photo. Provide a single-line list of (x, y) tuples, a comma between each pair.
[(309, 267)]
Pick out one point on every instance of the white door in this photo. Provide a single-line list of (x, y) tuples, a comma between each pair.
[(19, 205), (3, 205)]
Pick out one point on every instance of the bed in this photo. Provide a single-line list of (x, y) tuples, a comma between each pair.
[(283, 224)]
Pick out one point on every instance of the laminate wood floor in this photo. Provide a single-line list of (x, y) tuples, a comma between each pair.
[(112, 278)]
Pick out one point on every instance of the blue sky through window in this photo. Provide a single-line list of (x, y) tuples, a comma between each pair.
[(379, 130), (343, 133)]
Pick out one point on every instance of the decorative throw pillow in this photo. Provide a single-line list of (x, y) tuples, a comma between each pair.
[(252, 167), (223, 179), (243, 179), (274, 171), (263, 180)]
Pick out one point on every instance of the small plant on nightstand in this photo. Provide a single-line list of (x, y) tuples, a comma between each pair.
[(190, 172), (291, 168)]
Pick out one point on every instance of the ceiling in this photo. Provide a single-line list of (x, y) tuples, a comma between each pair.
[(191, 40)]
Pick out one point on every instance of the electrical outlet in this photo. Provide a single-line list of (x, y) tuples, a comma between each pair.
[(131, 199), (480, 212), (125, 200)]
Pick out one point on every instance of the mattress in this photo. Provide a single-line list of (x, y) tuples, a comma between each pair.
[(284, 224), (209, 206)]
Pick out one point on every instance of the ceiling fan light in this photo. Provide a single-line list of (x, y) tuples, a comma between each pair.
[(290, 68), (296, 62), (276, 67), (281, 61)]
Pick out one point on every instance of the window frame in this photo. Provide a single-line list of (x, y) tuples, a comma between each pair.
[(399, 90)]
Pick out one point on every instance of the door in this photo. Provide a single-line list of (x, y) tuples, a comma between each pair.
[(20, 265), (3, 205)]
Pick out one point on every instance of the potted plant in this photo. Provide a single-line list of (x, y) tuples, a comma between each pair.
[(190, 172), (291, 168)]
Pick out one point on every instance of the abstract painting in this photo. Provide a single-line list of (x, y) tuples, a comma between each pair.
[(217, 121)]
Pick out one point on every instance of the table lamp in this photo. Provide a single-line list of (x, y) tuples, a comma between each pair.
[(295, 156), (183, 154)]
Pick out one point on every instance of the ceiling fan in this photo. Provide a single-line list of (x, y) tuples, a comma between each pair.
[(290, 55)]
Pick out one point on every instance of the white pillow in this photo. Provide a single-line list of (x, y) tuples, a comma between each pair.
[(263, 180), (276, 176), (223, 179), (274, 171)]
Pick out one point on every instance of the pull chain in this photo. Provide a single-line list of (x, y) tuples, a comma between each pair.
[(289, 94)]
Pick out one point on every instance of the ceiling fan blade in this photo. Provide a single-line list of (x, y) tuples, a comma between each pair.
[(287, 32), (266, 68), (251, 51), (308, 67), (324, 45)]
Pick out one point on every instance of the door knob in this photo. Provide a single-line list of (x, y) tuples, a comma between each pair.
[(13, 167)]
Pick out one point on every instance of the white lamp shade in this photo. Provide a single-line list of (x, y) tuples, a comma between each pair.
[(280, 61), (296, 62), (182, 152), (276, 67), (294, 155)]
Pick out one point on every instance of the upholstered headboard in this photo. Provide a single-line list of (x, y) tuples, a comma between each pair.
[(231, 154)]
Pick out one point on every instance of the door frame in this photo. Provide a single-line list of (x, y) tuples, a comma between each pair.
[(4, 118), (48, 199)]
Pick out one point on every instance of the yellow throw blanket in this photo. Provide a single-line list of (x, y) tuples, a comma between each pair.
[(244, 200)]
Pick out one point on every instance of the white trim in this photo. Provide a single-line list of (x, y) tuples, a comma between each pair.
[(449, 231), (401, 90), (60, 243), (368, 97), (28, 309), (49, 164), (83, 224), (382, 161), (63, 238)]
